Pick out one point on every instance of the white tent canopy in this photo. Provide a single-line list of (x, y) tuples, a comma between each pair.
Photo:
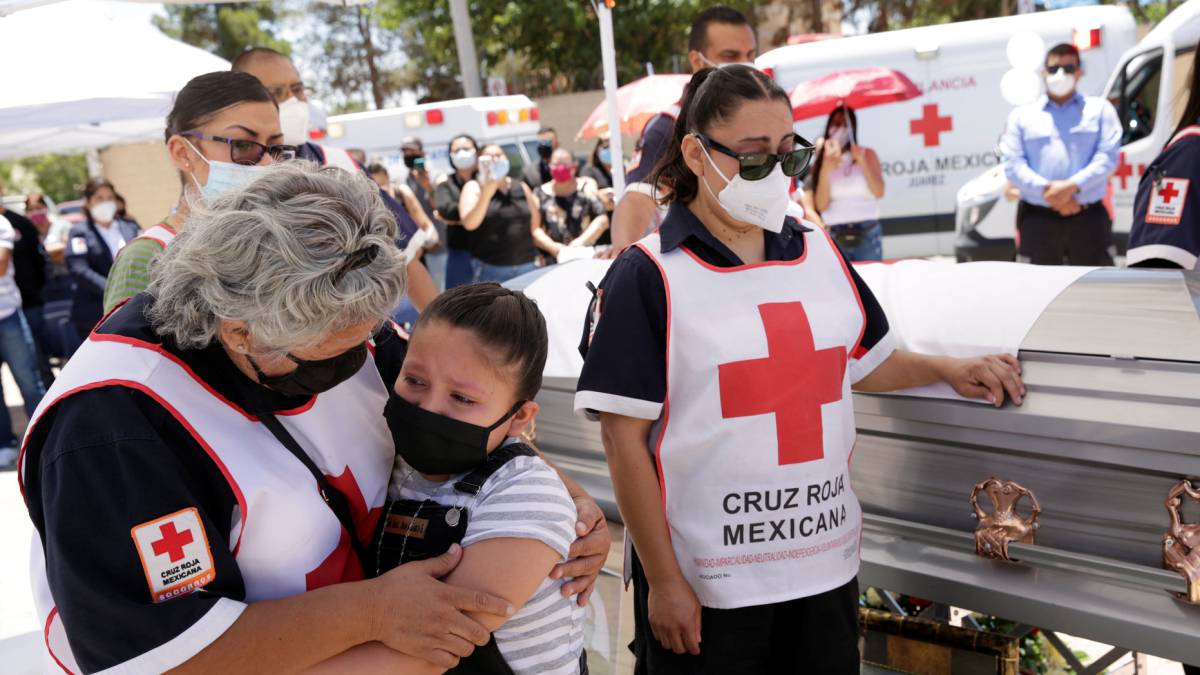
[(76, 78)]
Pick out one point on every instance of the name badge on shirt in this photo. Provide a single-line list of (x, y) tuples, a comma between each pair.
[(175, 554), (78, 246), (1167, 200)]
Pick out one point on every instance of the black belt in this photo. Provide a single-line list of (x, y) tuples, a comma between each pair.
[(1046, 210)]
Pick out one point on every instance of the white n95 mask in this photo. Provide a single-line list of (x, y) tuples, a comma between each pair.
[(759, 202), (225, 177), (104, 212), (293, 120), (1059, 83)]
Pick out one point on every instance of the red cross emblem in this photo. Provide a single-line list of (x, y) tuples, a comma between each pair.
[(793, 382), (1124, 170), (931, 125), (1168, 192), (172, 542)]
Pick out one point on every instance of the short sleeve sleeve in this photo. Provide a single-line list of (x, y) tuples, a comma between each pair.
[(624, 342), (594, 208), (8, 235), (877, 342), (1166, 210), (135, 531), (525, 499), (130, 273)]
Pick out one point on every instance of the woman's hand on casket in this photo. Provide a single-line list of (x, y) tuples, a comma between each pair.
[(416, 614), (987, 377), (588, 553), (674, 614)]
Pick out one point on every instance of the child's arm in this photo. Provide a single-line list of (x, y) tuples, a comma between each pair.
[(673, 607)]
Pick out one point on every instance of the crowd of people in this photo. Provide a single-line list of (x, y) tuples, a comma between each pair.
[(394, 469)]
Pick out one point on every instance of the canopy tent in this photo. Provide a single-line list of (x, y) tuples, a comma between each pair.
[(77, 78), (10, 6)]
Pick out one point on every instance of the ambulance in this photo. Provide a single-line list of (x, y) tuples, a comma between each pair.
[(929, 146), (510, 121), (1149, 90)]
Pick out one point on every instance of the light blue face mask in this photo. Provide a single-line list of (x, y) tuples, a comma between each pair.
[(224, 177), (605, 156)]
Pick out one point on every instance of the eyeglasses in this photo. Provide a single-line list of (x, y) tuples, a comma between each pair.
[(286, 91), (1067, 68), (247, 152), (759, 165)]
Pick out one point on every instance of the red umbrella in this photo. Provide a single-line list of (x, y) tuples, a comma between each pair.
[(856, 88), (637, 102)]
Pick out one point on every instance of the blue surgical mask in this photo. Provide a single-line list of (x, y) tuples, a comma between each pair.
[(463, 159), (224, 177), (605, 156), (501, 167)]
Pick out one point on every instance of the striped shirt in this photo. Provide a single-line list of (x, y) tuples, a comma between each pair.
[(525, 499), (130, 273)]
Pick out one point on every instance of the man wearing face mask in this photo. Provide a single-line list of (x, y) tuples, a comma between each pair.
[(279, 75), (719, 35), (1059, 153), (538, 173), (421, 181)]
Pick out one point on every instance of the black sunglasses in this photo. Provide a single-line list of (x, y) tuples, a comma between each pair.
[(759, 165), (1068, 69), (247, 152)]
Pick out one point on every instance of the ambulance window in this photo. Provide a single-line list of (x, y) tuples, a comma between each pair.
[(1135, 94)]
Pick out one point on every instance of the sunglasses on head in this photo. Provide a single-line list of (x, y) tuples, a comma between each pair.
[(247, 152), (1066, 68), (759, 165)]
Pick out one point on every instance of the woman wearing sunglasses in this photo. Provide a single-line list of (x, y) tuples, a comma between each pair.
[(847, 187), (223, 129), (720, 355)]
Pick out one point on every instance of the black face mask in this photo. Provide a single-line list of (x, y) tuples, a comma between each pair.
[(545, 149), (435, 444), (313, 377), (412, 161)]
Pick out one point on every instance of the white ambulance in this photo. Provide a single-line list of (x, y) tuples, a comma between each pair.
[(929, 146), (1148, 89), (510, 121)]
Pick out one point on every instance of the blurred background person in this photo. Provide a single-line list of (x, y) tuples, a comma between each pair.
[(421, 181), (1059, 152), (122, 213), (382, 178), (504, 218), (599, 169), (1166, 212), (16, 340), (91, 249), (223, 127), (847, 186), (447, 193), (31, 269), (571, 215), (539, 172)]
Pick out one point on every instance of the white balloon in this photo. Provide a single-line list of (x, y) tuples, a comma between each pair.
[(1026, 51), (1019, 87)]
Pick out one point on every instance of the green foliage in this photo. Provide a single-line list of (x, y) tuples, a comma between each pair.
[(556, 42), (225, 30), (60, 177), (355, 60)]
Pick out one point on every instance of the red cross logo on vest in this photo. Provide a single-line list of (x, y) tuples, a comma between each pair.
[(172, 542), (931, 125), (1168, 193), (793, 382)]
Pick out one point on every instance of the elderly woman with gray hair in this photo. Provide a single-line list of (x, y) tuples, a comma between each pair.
[(205, 471)]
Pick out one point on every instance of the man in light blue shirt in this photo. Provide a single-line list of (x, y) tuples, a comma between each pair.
[(1059, 153)]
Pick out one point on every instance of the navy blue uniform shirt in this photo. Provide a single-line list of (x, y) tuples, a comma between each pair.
[(1169, 234), (626, 358)]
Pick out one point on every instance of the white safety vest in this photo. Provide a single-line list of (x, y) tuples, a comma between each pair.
[(279, 506), (754, 442), (160, 234)]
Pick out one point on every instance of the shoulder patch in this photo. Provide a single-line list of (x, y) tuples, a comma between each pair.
[(78, 245), (1167, 198), (175, 554)]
